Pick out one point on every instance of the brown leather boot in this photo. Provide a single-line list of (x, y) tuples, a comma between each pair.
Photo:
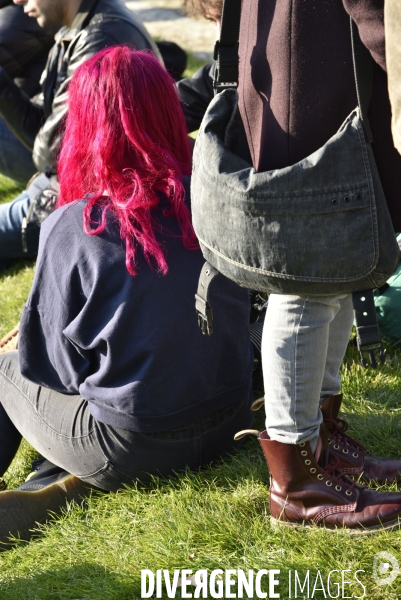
[(355, 459), (306, 492), (42, 496)]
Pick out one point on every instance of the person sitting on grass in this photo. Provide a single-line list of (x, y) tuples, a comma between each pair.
[(114, 381), (24, 47), (33, 128)]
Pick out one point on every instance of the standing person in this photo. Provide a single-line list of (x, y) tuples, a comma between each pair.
[(86, 26), (24, 47), (296, 87), (115, 381)]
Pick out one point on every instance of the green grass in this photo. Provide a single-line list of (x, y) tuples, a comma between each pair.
[(215, 519), (193, 65)]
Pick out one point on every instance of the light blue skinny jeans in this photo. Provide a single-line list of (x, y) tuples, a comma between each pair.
[(303, 345)]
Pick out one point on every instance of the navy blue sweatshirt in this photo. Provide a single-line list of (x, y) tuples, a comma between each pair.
[(131, 346)]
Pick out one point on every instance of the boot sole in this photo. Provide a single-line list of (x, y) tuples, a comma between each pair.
[(21, 511), (390, 526)]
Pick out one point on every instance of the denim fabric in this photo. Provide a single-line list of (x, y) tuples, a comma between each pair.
[(303, 345), (62, 429), (11, 217), (310, 229), (15, 158)]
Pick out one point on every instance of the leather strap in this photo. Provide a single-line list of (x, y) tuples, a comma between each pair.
[(226, 48), (203, 308), (368, 336)]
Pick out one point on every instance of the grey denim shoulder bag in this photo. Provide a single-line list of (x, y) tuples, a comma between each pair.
[(255, 227)]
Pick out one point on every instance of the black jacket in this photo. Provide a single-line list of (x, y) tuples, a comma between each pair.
[(36, 122), (24, 46), (196, 93)]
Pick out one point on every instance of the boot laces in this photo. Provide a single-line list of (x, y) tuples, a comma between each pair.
[(338, 428), (331, 469)]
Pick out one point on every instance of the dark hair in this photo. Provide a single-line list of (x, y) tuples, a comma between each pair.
[(125, 142), (200, 7)]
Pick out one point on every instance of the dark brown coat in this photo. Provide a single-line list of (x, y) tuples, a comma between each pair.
[(296, 83)]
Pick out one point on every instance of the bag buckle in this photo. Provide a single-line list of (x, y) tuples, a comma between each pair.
[(220, 87), (205, 315), (371, 353), (203, 308)]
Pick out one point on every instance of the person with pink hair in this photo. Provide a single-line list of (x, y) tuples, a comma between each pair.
[(115, 381)]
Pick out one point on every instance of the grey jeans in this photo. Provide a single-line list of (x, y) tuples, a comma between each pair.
[(61, 428), (303, 344)]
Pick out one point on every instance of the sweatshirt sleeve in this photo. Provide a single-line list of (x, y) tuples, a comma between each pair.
[(46, 355)]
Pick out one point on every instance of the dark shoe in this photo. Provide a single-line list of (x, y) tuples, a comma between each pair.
[(355, 459), (306, 492), (43, 495)]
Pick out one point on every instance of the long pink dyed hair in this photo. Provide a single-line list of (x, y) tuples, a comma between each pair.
[(125, 142)]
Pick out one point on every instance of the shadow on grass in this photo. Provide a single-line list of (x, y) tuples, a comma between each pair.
[(9, 267)]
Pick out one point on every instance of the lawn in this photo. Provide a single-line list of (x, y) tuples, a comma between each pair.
[(215, 519)]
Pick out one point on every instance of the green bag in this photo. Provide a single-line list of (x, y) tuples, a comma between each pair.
[(388, 305)]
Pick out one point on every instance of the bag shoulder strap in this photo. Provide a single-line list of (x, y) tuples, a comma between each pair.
[(368, 338), (226, 48), (363, 73)]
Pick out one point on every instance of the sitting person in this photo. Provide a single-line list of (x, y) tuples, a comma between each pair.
[(87, 26), (115, 381), (24, 47)]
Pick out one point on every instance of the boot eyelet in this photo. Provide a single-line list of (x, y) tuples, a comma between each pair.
[(338, 488), (312, 470), (308, 462), (328, 483), (336, 446), (304, 453), (345, 451), (348, 493), (320, 477), (355, 455), (302, 444)]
